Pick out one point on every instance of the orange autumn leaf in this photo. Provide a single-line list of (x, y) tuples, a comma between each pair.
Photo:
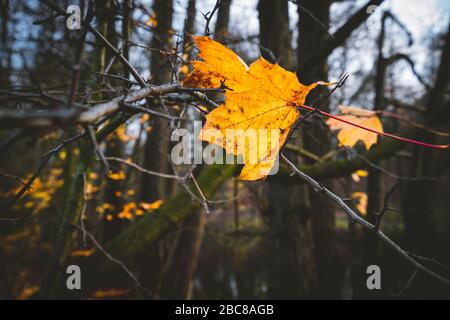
[(262, 96), (350, 135)]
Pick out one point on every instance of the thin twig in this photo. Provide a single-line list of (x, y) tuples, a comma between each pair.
[(204, 201), (143, 170), (408, 283), (120, 263), (385, 205), (97, 148), (11, 177)]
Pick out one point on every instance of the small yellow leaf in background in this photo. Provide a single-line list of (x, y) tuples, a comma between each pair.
[(56, 171), (82, 252), (144, 118), (350, 135), (93, 175), (361, 205), (127, 211), (262, 96), (27, 292), (358, 174), (184, 69), (118, 175), (62, 155), (108, 206), (29, 204), (152, 21), (362, 173)]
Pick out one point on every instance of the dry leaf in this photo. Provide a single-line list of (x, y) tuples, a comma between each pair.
[(262, 96), (349, 135)]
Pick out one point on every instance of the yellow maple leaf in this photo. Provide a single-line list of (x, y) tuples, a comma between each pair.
[(348, 134), (152, 21), (262, 96)]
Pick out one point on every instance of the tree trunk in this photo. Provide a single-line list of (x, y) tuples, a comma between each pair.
[(5, 52), (157, 143), (114, 189), (189, 26), (293, 214), (177, 282), (317, 140), (425, 202), (275, 42), (372, 247), (223, 19)]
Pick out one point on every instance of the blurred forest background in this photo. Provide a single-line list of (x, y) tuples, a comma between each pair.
[(69, 196)]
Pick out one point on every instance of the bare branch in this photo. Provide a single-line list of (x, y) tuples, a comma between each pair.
[(120, 263)]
